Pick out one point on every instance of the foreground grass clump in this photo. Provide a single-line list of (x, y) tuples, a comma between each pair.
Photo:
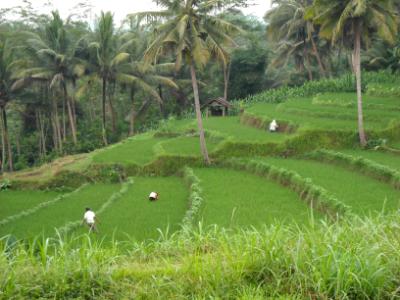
[(351, 259)]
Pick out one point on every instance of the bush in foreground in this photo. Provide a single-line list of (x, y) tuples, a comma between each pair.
[(351, 259)]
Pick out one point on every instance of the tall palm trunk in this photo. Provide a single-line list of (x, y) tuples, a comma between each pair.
[(133, 114), (7, 139), (111, 92), (227, 71), (70, 114), (57, 127), (104, 133), (316, 53), (357, 70), (161, 104), (203, 145), (3, 146)]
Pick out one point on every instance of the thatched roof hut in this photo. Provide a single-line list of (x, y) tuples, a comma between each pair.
[(217, 107)]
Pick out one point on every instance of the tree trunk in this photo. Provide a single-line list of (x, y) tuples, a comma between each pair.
[(307, 66), (227, 72), (7, 139), (203, 145), (3, 145), (70, 114), (112, 110), (104, 132), (161, 104), (357, 69), (133, 113), (64, 126), (57, 128), (42, 137), (316, 53)]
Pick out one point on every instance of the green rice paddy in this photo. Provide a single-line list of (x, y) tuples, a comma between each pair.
[(233, 199), (138, 150), (135, 217), (237, 199), (71, 208), (363, 194), (14, 201), (384, 158)]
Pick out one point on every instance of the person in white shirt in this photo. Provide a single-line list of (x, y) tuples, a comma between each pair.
[(90, 219), (153, 196), (273, 126)]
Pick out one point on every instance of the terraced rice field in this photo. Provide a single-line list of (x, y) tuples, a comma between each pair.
[(186, 146), (231, 127), (135, 217), (138, 150), (233, 199), (13, 201), (385, 158), (238, 199), (330, 111), (363, 194), (71, 208)]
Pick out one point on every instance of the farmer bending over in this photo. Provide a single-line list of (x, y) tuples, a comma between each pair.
[(153, 196)]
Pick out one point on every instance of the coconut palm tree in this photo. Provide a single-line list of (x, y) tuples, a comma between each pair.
[(146, 79), (52, 59), (296, 36), (193, 35), (6, 73), (107, 57), (355, 20)]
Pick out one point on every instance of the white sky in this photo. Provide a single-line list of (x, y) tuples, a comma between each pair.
[(120, 8)]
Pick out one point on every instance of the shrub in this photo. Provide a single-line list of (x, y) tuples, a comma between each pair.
[(195, 198), (5, 184)]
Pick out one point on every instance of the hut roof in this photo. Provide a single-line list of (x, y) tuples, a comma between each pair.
[(217, 102)]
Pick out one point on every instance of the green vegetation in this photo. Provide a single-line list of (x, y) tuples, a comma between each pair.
[(360, 192), (14, 201), (234, 199), (186, 146), (138, 150), (339, 113), (135, 217), (231, 127), (243, 213), (384, 158), (56, 215), (350, 259)]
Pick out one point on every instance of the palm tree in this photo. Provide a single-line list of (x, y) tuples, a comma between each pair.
[(53, 60), (193, 35), (293, 33), (107, 58), (147, 79), (355, 20), (6, 63)]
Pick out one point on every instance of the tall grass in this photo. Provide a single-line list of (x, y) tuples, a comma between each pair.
[(351, 259)]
